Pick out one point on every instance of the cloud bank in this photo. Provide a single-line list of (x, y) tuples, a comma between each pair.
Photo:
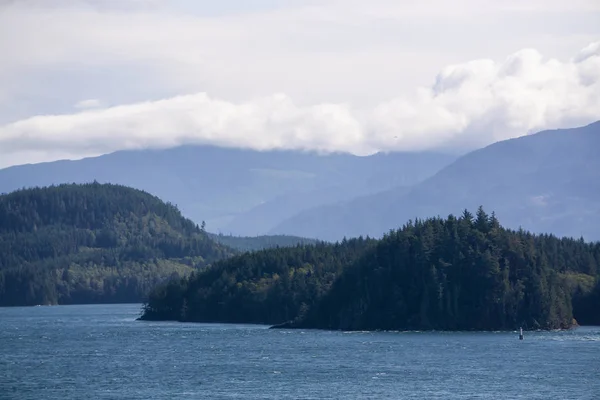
[(468, 105), (86, 77)]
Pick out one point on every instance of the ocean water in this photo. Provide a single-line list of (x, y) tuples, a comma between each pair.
[(101, 352)]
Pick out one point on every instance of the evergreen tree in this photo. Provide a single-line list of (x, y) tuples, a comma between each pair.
[(94, 243), (465, 273)]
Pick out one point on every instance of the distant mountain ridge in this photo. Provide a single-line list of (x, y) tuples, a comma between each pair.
[(544, 182), (237, 191)]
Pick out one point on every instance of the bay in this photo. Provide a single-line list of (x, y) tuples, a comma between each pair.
[(102, 352)]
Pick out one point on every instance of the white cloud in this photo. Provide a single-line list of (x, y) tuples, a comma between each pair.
[(348, 69), (479, 102), (264, 123), (469, 105)]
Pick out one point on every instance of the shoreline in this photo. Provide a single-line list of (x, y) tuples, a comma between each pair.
[(289, 326)]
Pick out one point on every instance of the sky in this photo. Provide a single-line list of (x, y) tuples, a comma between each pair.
[(82, 78)]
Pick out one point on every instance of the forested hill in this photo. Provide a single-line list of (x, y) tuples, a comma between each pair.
[(456, 273), (461, 274), (94, 243)]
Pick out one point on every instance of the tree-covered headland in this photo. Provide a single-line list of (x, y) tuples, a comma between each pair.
[(457, 273)]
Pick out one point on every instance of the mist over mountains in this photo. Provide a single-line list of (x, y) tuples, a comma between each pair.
[(243, 192), (544, 182)]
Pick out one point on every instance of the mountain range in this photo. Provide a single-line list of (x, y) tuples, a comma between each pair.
[(237, 191), (543, 182)]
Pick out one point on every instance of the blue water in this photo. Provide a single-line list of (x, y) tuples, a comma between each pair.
[(101, 352)]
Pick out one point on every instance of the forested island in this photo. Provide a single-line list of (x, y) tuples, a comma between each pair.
[(94, 243), (458, 273)]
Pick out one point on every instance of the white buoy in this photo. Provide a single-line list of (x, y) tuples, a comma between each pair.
[(521, 334)]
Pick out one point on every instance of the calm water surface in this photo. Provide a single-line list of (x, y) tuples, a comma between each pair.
[(101, 352)]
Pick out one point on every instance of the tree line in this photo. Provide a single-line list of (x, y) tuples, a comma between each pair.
[(254, 243), (457, 273)]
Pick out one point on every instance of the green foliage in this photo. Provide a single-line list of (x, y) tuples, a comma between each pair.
[(244, 244), (94, 243), (266, 286), (586, 302), (445, 274), (458, 274)]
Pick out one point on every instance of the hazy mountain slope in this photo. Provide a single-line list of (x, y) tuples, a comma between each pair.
[(265, 217), (546, 182), (368, 175), (220, 185), (352, 218)]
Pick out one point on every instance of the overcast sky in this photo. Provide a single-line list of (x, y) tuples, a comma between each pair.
[(86, 77)]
